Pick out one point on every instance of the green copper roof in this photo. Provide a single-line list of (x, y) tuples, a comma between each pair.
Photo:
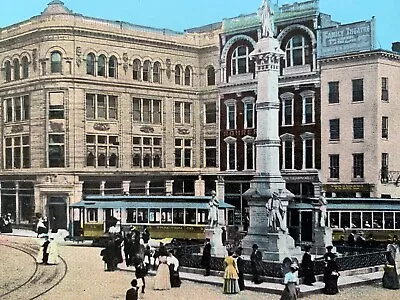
[(296, 10), (240, 22)]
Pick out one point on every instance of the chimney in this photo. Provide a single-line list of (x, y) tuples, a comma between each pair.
[(396, 47)]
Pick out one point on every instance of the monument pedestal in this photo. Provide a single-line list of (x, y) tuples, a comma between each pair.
[(322, 238), (215, 236)]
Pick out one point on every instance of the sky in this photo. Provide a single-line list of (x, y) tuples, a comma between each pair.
[(179, 15)]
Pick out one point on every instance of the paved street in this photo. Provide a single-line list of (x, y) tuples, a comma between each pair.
[(86, 279)]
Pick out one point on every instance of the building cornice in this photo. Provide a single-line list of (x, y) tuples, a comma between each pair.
[(361, 55)]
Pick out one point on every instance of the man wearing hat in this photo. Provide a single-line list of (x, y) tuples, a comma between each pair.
[(206, 258), (307, 266), (256, 264)]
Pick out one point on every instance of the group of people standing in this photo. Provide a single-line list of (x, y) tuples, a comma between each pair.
[(48, 252)]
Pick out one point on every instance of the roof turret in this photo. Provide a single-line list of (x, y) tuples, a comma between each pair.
[(56, 7)]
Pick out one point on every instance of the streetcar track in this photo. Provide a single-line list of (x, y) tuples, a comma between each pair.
[(43, 274)]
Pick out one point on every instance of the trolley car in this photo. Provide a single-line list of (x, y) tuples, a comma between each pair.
[(179, 217)]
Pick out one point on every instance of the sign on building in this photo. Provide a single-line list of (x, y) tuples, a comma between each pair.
[(346, 38)]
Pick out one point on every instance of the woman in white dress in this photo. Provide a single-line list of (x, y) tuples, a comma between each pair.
[(162, 279)]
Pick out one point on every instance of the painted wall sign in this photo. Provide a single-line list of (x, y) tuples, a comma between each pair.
[(359, 36)]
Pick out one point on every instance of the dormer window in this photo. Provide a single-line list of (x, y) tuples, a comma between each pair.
[(240, 61), (297, 51)]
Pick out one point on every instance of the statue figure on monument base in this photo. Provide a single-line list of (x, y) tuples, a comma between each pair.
[(275, 213), (213, 210)]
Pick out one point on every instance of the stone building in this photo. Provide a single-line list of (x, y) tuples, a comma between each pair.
[(93, 106)]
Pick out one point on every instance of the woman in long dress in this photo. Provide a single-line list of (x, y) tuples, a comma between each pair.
[(53, 251), (307, 267), (390, 279), (331, 273), (162, 279), (231, 285), (290, 281), (173, 264)]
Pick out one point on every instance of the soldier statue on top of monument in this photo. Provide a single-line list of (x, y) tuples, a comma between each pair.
[(213, 210), (265, 14), (275, 212)]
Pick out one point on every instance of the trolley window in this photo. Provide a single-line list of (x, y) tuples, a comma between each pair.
[(356, 219), (202, 216), (190, 216), (378, 220), (367, 219), (131, 215), (166, 215), (334, 219), (397, 220), (179, 215), (92, 215), (142, 215), (389, 221), (345, 220), (155, 215)]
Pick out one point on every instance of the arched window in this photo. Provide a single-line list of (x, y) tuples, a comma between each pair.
[(16, 69), (25, 67), (297, 51), (210, 75), (146, 70), (156, 72), (90, 64), (136, 69), (240, 61), (187, 75), (7, 70), (55, 62), (178, 72), (112, 67), (101, 66)]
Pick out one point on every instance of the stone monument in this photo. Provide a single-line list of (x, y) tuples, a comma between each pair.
[(213, 230), (268, 197)]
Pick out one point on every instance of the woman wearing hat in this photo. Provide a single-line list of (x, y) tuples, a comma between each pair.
[(290, 281), (307, 267), (331, 273)]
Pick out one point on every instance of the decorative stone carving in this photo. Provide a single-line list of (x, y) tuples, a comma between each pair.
[(147, 129), (183, 131), (17, 128), (101, 126), (125, 58), (78, 53)]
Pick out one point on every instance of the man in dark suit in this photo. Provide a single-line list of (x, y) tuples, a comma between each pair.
[(240, 267), (206, 258), (256, 261)]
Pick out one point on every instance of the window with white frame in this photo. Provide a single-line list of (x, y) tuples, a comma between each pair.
[(210, 110), (297, 51), (334, 166), (230, 153), (16, 109), (90, 63), (136, 69), (287, 109), (308, 115), (210, 153), (182, 112), (157, 72), (147, 110), (287, 151), (147, 152), (17, 152), (249, 112), (100, 106), (92, 215), (240, 61), (308, 150), (249, 152), (102, 150), (183, 153), (230, 114)]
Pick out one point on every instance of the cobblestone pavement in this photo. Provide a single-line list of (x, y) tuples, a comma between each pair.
[(86, 279)]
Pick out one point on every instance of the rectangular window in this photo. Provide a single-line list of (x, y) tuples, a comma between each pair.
[(309, 153), (92, 215), (334, 166), (101, 106), (385, 168), (385, 89), (210, 153), (231, 117), (249, 159), (183, 153), (17, 152), (334, 130), (249, 115), (147, 110), (358, 90), (333, 92), (288, 112), (182, 112), (231, 154), (147, 152), (56, 154), (385, 127), (211, 113), (16, 109), (358, 165), (288, 154), (102, 151), (358, 128), (308, 110)]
